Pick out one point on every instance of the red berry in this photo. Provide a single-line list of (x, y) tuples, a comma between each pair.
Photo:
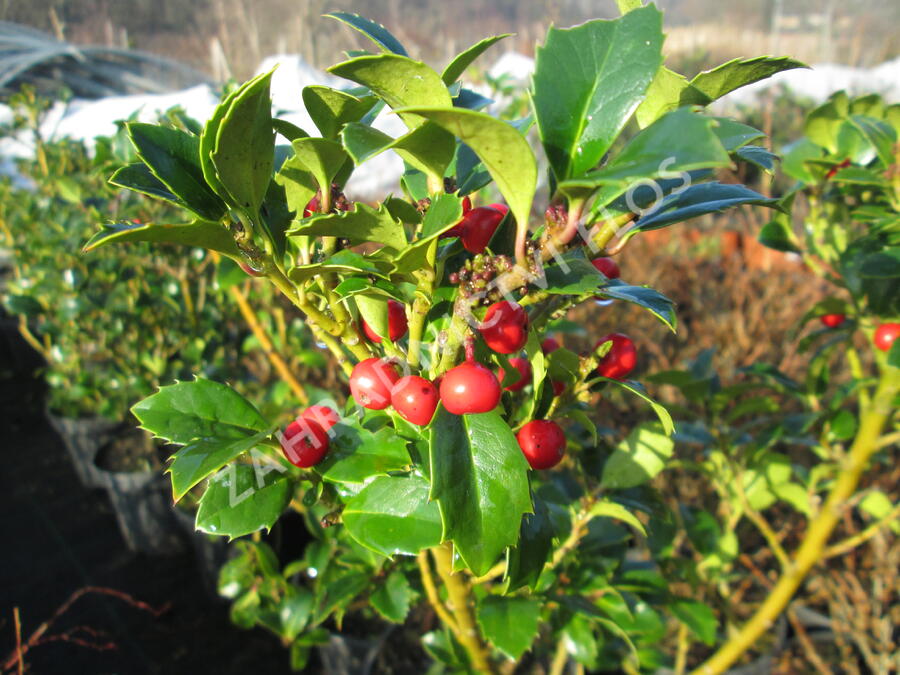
[(542, 443), (558, 387), (502, 208), (304, 443), (607, 267), (505, 327), (524, 369), (477, 227), (550, 345), (415, 398), (466, 204), (312, 207), (833, 320), (396, 323), (249, 270), (620, 359), (470, 388), (322, 415), (885, 335), (371, 382)]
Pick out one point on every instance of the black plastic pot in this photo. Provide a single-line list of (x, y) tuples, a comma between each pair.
[(82, 439), (142, 502), (210, 552)]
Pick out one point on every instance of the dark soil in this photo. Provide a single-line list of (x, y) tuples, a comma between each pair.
[(59, 537)]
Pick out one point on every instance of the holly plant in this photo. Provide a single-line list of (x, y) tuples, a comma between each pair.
[(464, 469)]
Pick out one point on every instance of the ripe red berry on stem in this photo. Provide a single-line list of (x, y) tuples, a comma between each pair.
[(550, 345), (415, 399), (502, 208), (505, 327), (833, 320), (304, 443), (477, 227), (312, 207), (371, 382), (542, 443), (607, 267), (524, 368), (322, 415), (885, 335), (470, 388), (620, 359), (397, 324)]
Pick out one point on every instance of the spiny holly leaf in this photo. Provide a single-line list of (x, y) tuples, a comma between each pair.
[(501, 147), (526, 561), (393, 598), (739, 73), (510, 623), (331, 109), (243, 498), (734, 135), (427, 148), (213, 236), (363, 224), (377, 33), (342, 262), (479, 478), (650, 299), (667, 92), (356, 455), (458, 65), (588, 80), (244, 152), (398, 81), (321, 157), (139, 178), (173, 156), (392, 515)]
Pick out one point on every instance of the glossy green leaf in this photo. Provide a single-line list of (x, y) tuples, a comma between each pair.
[(739, 73), (588, 81), (185, 411), (480, 482), (338, 592), (363, 224), (331, 109), (510, 623), (880, 134), (299, 185), (458, 65), (652, 300), (526, 561), (699, 618), (173, 156), (427, 147), (735, 135), (758, 156), (342, 262), (392, 515), (377, 33), (581, 644), (882, 265), (444, 212), (504, 151), (205, 455), (610, 509), (321, 157), (139, 178), (778, 233), (638, 458), (202, 233), (289, 130), (244, 153), (208, 143), (667, 92), (679, 141), (393, 598), (356, 455), (794, 160), (698, 200), (573, 274), (243, 498), (398, 81)]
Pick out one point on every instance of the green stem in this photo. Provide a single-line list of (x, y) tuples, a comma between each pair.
[(420, 307), (820, 529), (461, 601)]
